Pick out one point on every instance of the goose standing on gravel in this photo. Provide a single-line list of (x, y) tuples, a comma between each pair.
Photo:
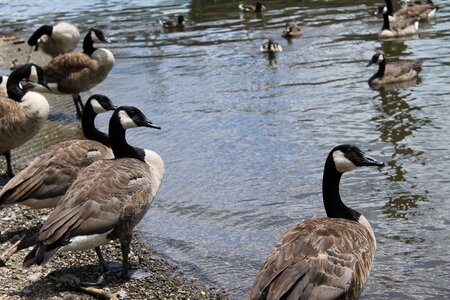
[(401, 27), (107, 199), (55, 40), (47, 178), (392, 72), (22, 113), (323, 258), (76, 72), (257, 8)]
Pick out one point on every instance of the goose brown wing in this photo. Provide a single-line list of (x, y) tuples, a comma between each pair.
[(401, 70), (414, 11), (51, 173), (98, 199), (317, 259)]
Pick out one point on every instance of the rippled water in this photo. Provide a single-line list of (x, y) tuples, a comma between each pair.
[(244, 138)]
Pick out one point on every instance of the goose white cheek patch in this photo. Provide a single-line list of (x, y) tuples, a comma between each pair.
[(342, 163), (98, 109), (125, 120), (33, 74), (380, 59), (94, 37)]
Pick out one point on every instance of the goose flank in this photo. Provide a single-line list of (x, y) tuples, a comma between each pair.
[(392, 72), (105, 202), (22, 113), (76, 72), (47, 178), (323, 258), (55, 40)]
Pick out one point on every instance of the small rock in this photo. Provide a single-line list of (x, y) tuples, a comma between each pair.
[(33, 277)]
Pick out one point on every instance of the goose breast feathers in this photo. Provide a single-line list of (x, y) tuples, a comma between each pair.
[(317, 259)]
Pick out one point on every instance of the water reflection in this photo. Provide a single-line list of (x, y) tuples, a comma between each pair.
[(396, 123)]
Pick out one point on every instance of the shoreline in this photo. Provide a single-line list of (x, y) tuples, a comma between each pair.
[(68, 274)]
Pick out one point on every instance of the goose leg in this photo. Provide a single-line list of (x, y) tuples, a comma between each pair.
[(78, 105), (9, 167), (125, 246), (103, 264)]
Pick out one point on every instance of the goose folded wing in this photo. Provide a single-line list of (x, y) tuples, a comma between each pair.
[(312, 261), (67, 65)]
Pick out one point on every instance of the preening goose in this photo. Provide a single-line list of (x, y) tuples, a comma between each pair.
[(55, 40), (22, 113), (77, 72), (401, 27), (47, 178), (257, 8), (106, 201), (270, 46), (292, 30), (323, 258), (171, 24), (392, 72)]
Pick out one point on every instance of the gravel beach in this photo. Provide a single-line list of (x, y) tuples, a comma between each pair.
[(75, 275)]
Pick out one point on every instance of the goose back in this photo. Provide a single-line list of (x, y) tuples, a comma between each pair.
[(322, 258)]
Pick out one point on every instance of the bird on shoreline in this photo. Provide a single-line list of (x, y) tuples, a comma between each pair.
[(323, 258), (48, 176), (107, 199), (76, 72), (55, 39), (392, 72), (22, 113)]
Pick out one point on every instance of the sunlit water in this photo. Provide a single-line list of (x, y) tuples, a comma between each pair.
[(244, 138)]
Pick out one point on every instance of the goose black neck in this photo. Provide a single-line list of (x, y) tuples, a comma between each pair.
[(89, 129), (119, 145), (389, 7), (15, 92), (43, 30), (334, 206), (381, 69), (386, 25), (88, 44)]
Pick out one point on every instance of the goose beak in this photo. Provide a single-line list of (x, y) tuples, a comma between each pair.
[(150, 124), (44, 84), (106, 40), (369, 161), (370, 63)]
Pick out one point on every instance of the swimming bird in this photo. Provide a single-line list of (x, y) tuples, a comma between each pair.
[(77, 72), (392, 72), (292, 30), (257, 8), (107, 199), (22, 113), (171, 24), (47, 178), (55, 39), (426, 10), (323, 258), (270, 46), (401, 27)]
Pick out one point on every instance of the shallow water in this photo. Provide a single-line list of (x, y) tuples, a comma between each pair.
[(244, 138)]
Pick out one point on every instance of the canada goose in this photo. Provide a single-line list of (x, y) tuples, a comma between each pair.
[(423, 11), (401, 27), (392, 72), (257, 8), (106, 201), (76, 72), (55, 40), (323, 258), (269, 46), (22, 113), (47, 178), (292, 30), (171, 24)]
